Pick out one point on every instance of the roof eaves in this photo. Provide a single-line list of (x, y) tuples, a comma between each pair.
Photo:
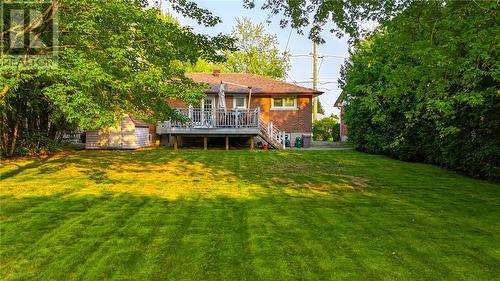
[(340, 99)]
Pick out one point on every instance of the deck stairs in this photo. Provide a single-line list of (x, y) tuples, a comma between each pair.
[(272, 135)]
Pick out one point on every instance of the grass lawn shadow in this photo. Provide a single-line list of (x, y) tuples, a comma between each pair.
[(215, 215)]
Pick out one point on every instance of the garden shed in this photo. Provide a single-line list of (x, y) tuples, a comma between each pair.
[(132, 133)]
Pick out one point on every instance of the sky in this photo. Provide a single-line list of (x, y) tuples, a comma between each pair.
[(299, 46)]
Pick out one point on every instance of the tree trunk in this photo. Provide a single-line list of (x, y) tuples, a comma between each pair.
[(52, 131), (14, 138), (5, 141)]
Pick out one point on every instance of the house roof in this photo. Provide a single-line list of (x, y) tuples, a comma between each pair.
[(138, 122), (260, 85), (340, 100)]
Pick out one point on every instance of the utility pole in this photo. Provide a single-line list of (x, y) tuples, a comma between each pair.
[(315, 82)]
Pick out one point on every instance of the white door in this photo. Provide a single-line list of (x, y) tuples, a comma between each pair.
[(203, 116)]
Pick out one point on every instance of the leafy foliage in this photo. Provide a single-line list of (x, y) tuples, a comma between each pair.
[(35, 144), (321, 110), (257, 53), (341, 17), (425, 87), (327, 129), (115, 57)]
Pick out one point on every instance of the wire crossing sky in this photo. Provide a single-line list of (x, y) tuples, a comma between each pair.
[(331, 55)]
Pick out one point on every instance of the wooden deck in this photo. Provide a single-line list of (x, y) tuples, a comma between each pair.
[(198, 122)]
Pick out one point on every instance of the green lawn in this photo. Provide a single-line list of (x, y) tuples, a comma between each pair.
[(216, 215)]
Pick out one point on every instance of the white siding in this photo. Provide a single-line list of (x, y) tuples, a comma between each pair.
[(114, 138), (126, 136), (142, 137), (128, 140), (92, 139)]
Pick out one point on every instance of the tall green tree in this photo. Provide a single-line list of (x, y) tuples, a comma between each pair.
[(257, 52), (115, 57), (425, 87), (340, 16)]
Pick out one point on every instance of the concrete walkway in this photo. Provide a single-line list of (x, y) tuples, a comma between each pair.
[(325, 145), (321, 148)]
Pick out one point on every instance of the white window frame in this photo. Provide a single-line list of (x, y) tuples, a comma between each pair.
[(283, 107), (244, 102), (202, 103)]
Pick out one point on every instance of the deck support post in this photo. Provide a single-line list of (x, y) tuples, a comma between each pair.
[(175, 142), (205, 143), (227, 143), (251, 143)]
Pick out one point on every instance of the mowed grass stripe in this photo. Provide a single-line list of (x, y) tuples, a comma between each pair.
[(245, 215), (81, 237)]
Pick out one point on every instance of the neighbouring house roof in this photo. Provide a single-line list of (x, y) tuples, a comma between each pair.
[(260, 85), (340, 100)]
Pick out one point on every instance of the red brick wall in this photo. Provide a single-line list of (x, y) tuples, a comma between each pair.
[(343, 126), (177, 103), (291, 121)]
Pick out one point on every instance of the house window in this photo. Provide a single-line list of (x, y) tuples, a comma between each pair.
[(284, 103), (239, 102)]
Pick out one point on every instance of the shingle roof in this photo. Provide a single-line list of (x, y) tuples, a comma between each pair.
[(138, 122), (260, 85)]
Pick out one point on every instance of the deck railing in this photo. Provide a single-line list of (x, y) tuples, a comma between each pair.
[(273, 134), (199, 118)]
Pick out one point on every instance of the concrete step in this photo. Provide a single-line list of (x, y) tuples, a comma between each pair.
[(329, 144)]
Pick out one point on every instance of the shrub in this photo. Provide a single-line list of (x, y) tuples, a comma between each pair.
[(326, 129), (35, 144), (425, 88)]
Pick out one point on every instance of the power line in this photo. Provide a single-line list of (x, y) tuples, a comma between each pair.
[(320, 64), (288, 41), (296, 56), (328, 89), (293, 81), (322, 56), (333, 56), (322, 83)]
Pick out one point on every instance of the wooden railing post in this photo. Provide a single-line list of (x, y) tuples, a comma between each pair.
[(271, 129), (257, 118), (236, 117), (190, 115)]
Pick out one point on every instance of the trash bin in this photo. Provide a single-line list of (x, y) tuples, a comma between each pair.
[(306, 141), (298, 142)]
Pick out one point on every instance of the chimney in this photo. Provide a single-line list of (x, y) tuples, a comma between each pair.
[(216, 72)]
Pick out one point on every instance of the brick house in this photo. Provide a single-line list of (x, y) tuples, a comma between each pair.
[(256, 107)]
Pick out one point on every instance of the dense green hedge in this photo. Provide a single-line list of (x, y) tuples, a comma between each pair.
[(425, 87)]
